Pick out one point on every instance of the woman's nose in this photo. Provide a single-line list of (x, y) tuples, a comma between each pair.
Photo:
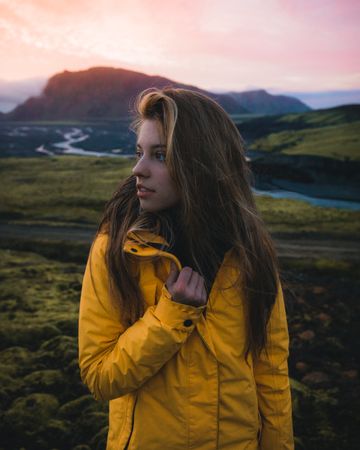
[(141, 168)]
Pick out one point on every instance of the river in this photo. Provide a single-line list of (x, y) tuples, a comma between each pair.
[(76, 135), (322, 202)]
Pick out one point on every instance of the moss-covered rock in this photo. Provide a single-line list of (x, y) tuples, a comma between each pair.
[(30, 336), (49, 381), (98, 442), (28, 414), (68, 327), (89, 424), (57, 434), (58, 352), (74, 409), (20, 358)]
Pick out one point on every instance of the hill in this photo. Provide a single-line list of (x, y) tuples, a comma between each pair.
[(331, 133), (261, 102), (103, 92)]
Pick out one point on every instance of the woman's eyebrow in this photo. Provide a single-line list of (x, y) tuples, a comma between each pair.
[(153, 146)]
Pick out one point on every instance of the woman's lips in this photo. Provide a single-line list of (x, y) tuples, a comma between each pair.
[(143, 192)]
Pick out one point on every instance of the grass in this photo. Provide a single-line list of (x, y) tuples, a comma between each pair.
[(336, 141), (43, 403), (61, 189), (289, 216), (331, 133), (72, 190)]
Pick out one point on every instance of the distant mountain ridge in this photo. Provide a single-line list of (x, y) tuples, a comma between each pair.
[(261, 102), (105, 92)]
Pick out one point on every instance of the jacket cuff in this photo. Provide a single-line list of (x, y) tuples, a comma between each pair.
[(177, 315)]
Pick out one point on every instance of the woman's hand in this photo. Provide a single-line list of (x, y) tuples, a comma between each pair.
[(187, 287)]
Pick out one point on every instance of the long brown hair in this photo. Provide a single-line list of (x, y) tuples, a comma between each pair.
[(206, 159)]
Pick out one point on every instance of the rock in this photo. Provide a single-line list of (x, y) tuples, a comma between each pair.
[(302, 366), (90, 424), (5, 400), (324, 317), (10, 387), (58, 351), (77, 407), (98, 442), (44, 381), (334, 345), (315, 378), (319, 290), (69, 327), (306, 335), (56, 433), (28, 414), (20, 358), (350, 374), (27, 336)]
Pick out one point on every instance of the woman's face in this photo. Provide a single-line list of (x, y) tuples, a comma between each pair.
[(155, 188)]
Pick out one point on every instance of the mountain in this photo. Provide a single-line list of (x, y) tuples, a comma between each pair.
[(99, 92), (261, 102), (104, 92)]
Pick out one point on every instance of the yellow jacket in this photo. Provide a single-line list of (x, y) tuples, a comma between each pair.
[(176, 379)]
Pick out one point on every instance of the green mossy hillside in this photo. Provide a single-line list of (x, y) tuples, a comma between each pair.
[(330, 133), (43, 403), (73, 190)]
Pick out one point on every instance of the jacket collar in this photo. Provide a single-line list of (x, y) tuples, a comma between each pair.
[(143, 243), (143, 237)]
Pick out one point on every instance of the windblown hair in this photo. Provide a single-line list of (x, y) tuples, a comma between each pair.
[(206, 160)]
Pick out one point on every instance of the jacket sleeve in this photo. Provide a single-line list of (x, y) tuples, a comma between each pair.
[(272, 381), (114, 361)]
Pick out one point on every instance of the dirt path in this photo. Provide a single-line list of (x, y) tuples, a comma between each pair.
[(293, 246)]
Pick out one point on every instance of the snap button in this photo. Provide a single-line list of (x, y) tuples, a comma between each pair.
[(188, 323), (133, 250)]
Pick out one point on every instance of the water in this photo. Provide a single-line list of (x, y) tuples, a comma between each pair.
[(65, 139), (322, 202), (75, 135)]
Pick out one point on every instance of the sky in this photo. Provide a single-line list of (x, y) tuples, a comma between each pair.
[(283, 45)]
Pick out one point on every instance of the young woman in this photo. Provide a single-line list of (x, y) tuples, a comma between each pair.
[(182, 321)]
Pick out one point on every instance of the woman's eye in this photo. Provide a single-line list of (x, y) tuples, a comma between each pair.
[(138, 154), (160, 156)]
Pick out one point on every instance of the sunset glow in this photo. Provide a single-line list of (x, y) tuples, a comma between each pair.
[(230, 44)]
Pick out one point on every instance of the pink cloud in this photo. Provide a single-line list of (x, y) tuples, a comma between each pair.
[(225, 44)]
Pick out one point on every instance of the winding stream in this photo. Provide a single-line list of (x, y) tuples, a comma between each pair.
[(76, 135)]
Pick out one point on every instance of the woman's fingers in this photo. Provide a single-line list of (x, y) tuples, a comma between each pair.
[(189, 288), (184, 278), (201, 290), (173, 275)]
